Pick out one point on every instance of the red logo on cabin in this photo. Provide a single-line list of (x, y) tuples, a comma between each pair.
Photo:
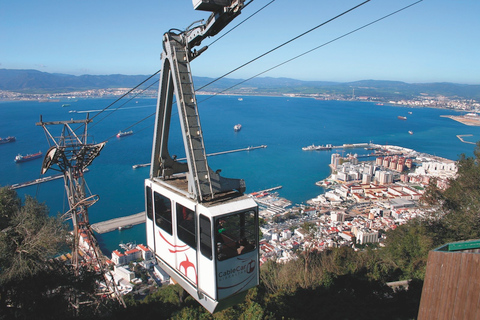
[(186, 265)]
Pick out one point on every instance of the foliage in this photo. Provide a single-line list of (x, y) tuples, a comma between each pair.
[(34, 285), (458, 207), (30, 238)]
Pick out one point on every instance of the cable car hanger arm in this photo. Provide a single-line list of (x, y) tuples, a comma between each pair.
[(223, 12)]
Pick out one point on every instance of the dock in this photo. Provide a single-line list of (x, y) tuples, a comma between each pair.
[(36, 181), (460, 137), (135, 166), (344, 146), (115, 224)]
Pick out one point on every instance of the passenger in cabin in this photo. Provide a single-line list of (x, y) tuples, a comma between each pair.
[(220, 230), (243, 246), (220, 241)]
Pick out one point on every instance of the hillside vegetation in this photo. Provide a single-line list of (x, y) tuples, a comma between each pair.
[(340, 283)]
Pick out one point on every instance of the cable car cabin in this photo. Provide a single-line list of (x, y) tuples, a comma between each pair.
[(209, 248)]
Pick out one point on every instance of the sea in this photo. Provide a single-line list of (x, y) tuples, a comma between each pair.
[(283, 124)]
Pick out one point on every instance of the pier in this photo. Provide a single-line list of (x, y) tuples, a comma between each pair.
[(460, 137), (209, 155), (39, 180), (329, 147), (36, 181), (118, 223)]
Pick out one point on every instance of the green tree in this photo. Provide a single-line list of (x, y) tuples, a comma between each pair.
[(458, 207), (407, 248), (34, 285)]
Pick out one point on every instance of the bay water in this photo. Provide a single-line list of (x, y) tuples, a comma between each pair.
[(284, 124)]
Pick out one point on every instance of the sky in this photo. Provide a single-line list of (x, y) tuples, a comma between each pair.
[(432, 41)]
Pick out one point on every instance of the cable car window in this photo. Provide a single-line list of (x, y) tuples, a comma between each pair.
[(163, 212), (148, 197), (186, 226), (236, 234), (205, 237)]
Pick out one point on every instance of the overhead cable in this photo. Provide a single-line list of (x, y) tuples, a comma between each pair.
[(136, 95), (285, 43), (128, 92), (316, 48)]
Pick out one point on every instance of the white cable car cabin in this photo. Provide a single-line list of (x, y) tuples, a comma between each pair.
[(210, 249), (201, 227)]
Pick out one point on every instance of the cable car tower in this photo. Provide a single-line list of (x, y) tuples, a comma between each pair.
[(201, 227), (71, 154)]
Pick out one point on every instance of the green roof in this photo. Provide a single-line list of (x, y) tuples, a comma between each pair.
[(457, 246)]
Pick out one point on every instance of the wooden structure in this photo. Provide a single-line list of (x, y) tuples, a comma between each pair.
[(452, 283)]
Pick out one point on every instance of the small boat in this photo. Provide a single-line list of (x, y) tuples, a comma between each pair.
[(237, 127), (121, 134), (72, 111), (128, 226), (65, 105), (28, 157), (7, 140), (240, 99), (402, 118), (409, 112), (410, 132)]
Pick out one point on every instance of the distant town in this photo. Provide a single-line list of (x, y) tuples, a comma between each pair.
[(422, 101), (363, 200)]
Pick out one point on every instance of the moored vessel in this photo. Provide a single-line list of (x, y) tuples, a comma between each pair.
[(28, 157), (7, 140), (121, 134)]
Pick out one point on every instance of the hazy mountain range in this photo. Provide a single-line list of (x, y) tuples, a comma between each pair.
[(34, 81)]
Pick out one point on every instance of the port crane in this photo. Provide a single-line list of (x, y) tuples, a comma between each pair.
[(71, 154), (201, 226)]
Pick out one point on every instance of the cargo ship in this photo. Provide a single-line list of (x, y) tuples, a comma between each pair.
[(28, 157), (7, 140), (237, 127), (121, 134)]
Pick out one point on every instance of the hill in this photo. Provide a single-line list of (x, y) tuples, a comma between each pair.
[(34, 81)]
